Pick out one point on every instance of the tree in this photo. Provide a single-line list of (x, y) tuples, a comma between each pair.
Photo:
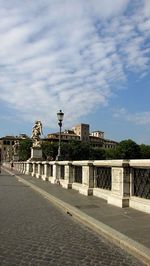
[(97, 154), (25, 149), (128, 149), (75, 150), (145, 151), (111, 154), (49, 150)]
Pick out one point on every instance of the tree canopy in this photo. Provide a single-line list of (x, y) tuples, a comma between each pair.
[(75, 150), (128, 149), (145, 151), (25, 149)]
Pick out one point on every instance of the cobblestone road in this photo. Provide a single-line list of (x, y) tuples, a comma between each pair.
[(35, 232)]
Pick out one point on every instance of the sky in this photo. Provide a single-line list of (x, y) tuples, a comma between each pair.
[(89, 58)]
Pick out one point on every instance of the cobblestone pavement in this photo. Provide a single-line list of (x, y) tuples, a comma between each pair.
[(35, 232)]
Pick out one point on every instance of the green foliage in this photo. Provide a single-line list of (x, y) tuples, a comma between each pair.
[(49, 150), (97, 154), (75, 150), (111, 154), (128, 149), (72, 150), (25, 149), (145, 151)]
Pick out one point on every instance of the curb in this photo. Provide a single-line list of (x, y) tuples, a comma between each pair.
[(136, 249)]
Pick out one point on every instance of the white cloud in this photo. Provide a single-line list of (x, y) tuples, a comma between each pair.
[(107, 8), (120, 112), (146, 8), (140, 118), (69, 55)]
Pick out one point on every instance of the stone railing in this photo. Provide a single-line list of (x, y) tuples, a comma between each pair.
[(122, 183)]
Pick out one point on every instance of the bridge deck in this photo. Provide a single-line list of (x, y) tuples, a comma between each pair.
[(131, 223)]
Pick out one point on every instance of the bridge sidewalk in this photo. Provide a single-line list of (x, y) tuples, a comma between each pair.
[(126, 227)]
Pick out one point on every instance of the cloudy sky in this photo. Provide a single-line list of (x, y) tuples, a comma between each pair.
[(89, 58)]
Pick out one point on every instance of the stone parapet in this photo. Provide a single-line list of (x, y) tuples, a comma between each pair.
[(90, 178)]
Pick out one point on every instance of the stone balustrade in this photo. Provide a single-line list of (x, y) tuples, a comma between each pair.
[(122, 183)]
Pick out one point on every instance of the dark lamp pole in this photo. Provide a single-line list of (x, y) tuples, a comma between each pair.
[(60, 116)]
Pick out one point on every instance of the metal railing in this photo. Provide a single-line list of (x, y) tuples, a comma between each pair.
[(62, 171), (50, 170), (36, 168), (78, 174), (102, 176), (141, 183)]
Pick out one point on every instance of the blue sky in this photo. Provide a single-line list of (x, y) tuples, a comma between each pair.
[(89, 58)]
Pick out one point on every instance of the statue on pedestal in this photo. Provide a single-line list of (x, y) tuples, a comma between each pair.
[(36, 150), (8, 154), (16, 147), (36, 133)]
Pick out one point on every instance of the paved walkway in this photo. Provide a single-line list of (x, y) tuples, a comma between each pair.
[(126, 227)]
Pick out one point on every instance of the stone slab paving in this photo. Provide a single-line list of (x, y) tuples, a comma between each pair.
[(134, 224), (35, 232)]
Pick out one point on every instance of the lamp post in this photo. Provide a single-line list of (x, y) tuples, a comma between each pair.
[(60, 116)]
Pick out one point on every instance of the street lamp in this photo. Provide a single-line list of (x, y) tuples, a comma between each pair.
[(60, 116)]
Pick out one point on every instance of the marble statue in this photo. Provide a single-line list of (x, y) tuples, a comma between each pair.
[(36, 133), (16, 147), (8, 154)]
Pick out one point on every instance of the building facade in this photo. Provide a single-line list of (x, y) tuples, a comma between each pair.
[(81, 132), (6, 146), (66, 136)]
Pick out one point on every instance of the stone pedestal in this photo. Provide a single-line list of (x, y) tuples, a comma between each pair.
[(68, 176), (28, 168), (45, 174), (34, 170), (87, 180), (54, 178), (120, 191), (39, 172), (36, 154)]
